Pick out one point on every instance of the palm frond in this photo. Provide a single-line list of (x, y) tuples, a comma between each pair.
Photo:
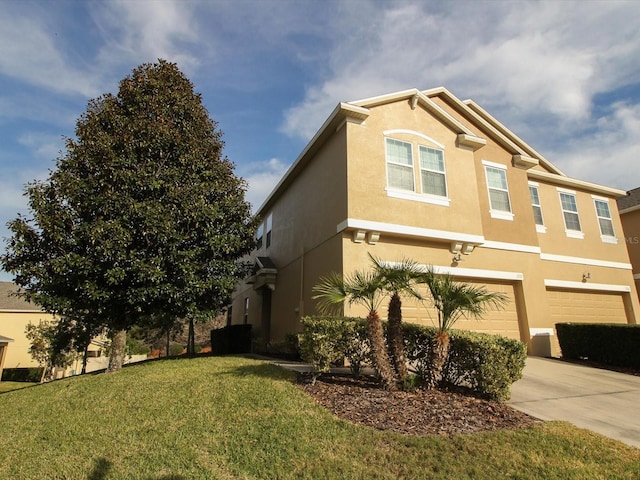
[(399, 277)]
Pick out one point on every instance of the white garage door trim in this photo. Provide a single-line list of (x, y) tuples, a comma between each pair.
[(602, 287)]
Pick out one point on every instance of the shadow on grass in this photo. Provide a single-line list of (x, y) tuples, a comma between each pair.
[(101, 468), (264, 370)]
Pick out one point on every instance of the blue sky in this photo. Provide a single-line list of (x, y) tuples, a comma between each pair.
[(564, 76)]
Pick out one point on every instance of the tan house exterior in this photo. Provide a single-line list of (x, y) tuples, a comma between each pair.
[(629, 207), (425, 176), (15, 315)]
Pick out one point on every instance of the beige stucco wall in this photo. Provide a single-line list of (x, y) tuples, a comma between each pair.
[(512, 257), (12, 325), (305, 241)]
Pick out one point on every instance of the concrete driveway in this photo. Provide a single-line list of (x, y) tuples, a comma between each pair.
[(598, 400)]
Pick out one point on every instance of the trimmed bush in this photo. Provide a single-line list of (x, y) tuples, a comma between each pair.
[(612, 344), (487, 364), (231, 339), (327, 340), (24, 374)]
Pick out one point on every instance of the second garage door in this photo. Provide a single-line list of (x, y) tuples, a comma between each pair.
[(586, 307)]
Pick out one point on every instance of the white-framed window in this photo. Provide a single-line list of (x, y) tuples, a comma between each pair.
[(570, 214), (399, 165), (269, 224), (607, 233), (537, 207), (431, 187), (499, 201), (259, 236), (432, 171), (246, 310)]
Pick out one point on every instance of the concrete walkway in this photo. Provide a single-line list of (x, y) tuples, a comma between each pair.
[(599, 400)]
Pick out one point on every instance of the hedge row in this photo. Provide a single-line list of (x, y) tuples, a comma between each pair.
[(487, 364), (610, 344)]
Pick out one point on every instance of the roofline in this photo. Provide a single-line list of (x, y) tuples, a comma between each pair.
[(341, 113), (500, 133), (17, 310), (572, 182), (630, 209), (501, 127)]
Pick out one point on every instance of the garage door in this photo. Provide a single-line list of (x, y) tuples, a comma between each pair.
[(502, 322), (586, 307)]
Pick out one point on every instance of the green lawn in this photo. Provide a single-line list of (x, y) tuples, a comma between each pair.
[(233, 418), (8, 386)]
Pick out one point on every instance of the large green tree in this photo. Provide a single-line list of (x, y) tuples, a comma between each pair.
[(142, 216)]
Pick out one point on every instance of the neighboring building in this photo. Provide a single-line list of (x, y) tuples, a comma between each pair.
[(424, 176), (15, 315), (629, 207)]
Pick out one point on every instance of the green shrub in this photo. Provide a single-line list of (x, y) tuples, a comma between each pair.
[(487, 364), (32, 374), (608, 343), (175, 349)]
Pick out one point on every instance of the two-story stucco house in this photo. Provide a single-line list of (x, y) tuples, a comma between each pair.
[(629, 207), (425, 176)]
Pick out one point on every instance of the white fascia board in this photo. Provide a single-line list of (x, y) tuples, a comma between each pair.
[(406, 230), (512, 247), (584, 261), (495, 132), (601, 287), (501, 127), (630, 209), (572, 182)]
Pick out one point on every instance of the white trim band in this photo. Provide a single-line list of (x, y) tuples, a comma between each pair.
[(512, 247), (479, 273), (409, 231), (584, 261), (602, 287), (533, 332)]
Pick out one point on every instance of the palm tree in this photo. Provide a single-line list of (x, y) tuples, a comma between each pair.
[(365, 289), (453, 300), (397, 278)]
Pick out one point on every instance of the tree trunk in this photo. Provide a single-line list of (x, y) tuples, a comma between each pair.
[(379, 352), (191, 342), (84, 359), (437, 357), (396, 338), (118, 347)]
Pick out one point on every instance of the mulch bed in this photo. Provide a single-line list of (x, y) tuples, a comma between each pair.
[(420, 412)]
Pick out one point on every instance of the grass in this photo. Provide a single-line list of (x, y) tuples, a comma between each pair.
[(8, 386), (234, 418)]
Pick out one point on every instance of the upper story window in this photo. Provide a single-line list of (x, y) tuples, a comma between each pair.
[(570, 214), (263, 235), (498, 190), (607, 234), (537, 208), (431, 185), (432, 171), (268, 224), (399, 164), (259, 236)]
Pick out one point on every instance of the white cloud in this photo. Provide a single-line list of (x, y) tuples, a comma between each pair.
[(29, 52), (44, 146), (520, 60), (145, 31), (610, 154), (262, 177)]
